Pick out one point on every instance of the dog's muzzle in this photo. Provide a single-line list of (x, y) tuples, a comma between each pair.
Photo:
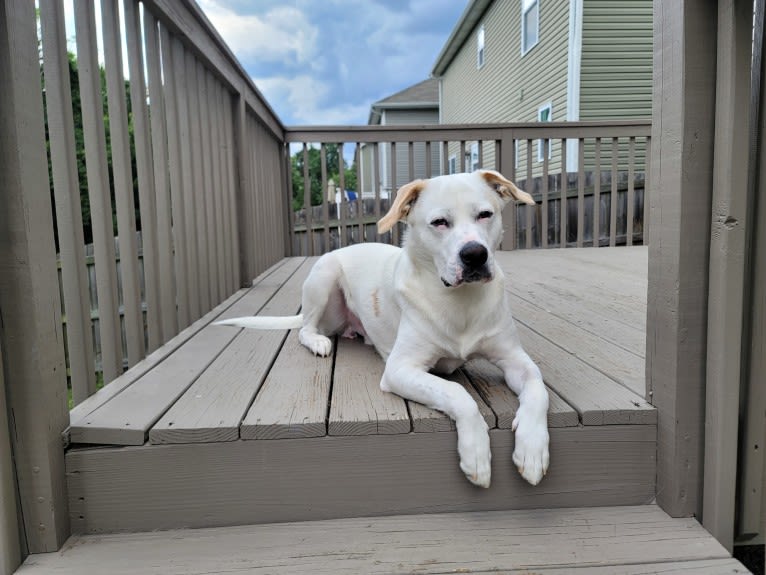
[(473, 257)]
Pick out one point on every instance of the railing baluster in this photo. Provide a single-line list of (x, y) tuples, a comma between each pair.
[(208, 203), (309, 251), (145, 176), (232, 156), (192, 166), (392, 193), (480, 147), (123, 182), (544, 203), (98, 190), (613, 199), (429, 169), (462, 155), (359, 199), (529, 210), (564, 217), (445, 157), (631, 191), (159, 134), (597, 196), (343, 206), (325, 197), (66, 189), (580, 192), (359, 203), (378, 181), (218, 187)]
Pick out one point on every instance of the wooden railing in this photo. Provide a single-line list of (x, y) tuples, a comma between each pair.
[(203, 143), (599, 200), (175, 143)]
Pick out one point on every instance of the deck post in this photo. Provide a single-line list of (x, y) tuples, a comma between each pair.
[(679, 243), (10, 542), (730, 223), (31, 338)]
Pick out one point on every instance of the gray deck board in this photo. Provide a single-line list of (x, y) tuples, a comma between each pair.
[(598, 399), (212, 408), (358, 405), (629, 540), (222, 384), (490, 383), (126, 419), (139, 488), (293, 400), (425, 419)]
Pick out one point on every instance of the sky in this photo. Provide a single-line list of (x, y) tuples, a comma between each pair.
[(327, 61)]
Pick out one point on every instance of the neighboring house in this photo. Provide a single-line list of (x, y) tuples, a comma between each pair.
[(546, 60), (416, 105)]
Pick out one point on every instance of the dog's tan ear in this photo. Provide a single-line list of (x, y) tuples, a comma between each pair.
[(405, 197), (505, 188)]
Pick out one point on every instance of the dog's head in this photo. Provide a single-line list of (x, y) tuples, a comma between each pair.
[(454, 222)]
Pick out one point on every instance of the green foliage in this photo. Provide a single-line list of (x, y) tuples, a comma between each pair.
[(74, 82), (332, 163)]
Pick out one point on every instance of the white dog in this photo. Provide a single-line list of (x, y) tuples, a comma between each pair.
[(430, 306)]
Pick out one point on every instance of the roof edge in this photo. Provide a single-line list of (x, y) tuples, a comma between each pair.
[(468, 19)]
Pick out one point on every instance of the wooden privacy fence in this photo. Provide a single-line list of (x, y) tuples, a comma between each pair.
[(207, 150), (587, 178)]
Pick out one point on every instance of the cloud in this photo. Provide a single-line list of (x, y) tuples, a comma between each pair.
[(310, 100), (282, 34)]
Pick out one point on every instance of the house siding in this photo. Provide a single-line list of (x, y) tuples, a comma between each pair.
[(616, 65), (520, 84), (409, 118)]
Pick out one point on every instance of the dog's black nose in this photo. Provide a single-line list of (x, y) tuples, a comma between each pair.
[(473, 255)]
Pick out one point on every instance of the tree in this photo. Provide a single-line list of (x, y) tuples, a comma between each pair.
[(332, 163)]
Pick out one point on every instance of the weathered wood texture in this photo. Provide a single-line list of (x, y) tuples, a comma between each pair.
[(257, 385), (604, 541), (680, 208), (242, 482), (10, 526), (729, 228), (32, 342), (751, 505), (217, 397), (126, 419)]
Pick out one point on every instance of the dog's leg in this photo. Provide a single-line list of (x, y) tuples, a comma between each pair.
[(522, 375), (322, 306), (411, 382)]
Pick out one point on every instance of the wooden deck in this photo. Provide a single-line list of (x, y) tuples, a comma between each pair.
[(639, 540), (224, 426)]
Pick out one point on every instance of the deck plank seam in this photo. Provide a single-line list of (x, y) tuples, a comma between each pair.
[(245, 291), (639, 400), (520, 295)]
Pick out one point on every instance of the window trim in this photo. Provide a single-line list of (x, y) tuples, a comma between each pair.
[(547, 106), (480, 48), (526, 6)]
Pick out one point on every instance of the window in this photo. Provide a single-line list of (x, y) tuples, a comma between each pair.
[(452, 164), (480, 47), (530, 20), (544, 114)]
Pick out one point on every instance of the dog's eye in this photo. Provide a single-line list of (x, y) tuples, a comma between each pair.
[(485, 215), (440, 223)]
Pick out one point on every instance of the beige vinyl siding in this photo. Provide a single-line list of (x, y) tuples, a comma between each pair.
[(408, 117), (616, 69), (510, 87)]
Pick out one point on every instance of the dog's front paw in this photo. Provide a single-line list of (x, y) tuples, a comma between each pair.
[(318, 344), (531, 452), (475, 454)]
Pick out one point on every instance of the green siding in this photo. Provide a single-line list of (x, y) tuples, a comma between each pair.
[(510, 87), (616, 69)]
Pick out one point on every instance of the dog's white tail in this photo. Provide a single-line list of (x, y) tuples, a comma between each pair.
[(264, 322)]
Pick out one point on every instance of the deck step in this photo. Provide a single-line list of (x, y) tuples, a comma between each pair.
[(601, 541)]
